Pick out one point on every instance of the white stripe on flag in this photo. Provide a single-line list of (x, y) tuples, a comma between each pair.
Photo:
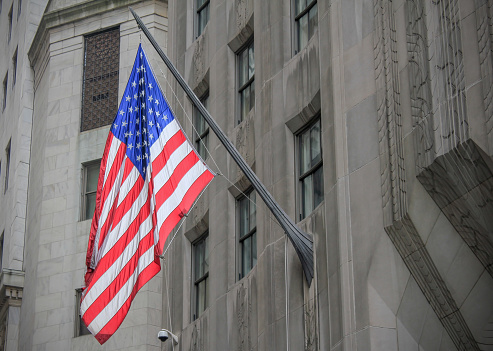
[(109, 275), (171, 129), (121, 297), (181, 189)]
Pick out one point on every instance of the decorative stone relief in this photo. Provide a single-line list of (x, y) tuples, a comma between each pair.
[(484, 16), (196, 342), (242, 13), (243, 312), (245, 141), (199, 60), (397, 222), (451, 167), (310, 317), (393, 177)]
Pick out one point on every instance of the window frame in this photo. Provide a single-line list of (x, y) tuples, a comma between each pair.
[(2, 236), (297, 18), (85, 166), (198, 11), (80, 329), (203, 278), (14, 67), (11, 21), (87, 121), (5, 90), (8, 151), (311, 170), (199, 138), (252, 233), (249, 83)]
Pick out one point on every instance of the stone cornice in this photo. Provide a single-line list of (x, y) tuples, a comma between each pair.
[(58, 17), (11, 288)]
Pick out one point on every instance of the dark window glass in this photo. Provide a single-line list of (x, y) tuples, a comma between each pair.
[(246, 79), (14, 68), (10, 22), (202, 15), (200, 274), (1, 252), (247, 225), (7, 166), (90, 186), (202, 130), (311, 171), (80, 327), (306, 18), (5, 86), (100, 81)]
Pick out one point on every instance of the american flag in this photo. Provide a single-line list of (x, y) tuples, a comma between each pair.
[(149, 178)]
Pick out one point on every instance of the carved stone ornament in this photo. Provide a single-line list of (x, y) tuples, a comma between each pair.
[(243, 312), (398, 224)]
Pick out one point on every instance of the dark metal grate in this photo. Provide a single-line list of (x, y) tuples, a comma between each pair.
[(100, 83)]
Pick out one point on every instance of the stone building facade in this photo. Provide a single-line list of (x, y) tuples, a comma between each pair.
[(369, 121), (396, 96), (53, 148)]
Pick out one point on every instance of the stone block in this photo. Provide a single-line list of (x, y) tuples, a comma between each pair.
[(61, 345), (406, 342), (362, 131), (477, 309), (359, 72), (357, 21), (46, 334), (50, 267), (61, 282), (463, 274), (443, 244), (51, 235), (47, 302), (413, 309)]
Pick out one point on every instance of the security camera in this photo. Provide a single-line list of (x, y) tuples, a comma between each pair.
[(164, 335)]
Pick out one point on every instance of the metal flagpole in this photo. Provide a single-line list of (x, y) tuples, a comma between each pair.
[(301, 241)]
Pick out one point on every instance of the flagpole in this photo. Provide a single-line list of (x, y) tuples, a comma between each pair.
[(301, 241)]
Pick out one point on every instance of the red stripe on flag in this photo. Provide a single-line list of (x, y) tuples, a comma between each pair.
[(100, 198), (110, 328), (177, 214), (113, 253), (119, 280), (173, 143), (183, 167)]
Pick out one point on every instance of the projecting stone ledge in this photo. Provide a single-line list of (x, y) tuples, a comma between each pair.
[(461, 184)]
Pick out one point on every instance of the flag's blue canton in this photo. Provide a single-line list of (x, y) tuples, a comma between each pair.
[(142, 115)]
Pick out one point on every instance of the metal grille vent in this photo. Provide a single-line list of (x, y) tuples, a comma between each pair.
[(100, 84)]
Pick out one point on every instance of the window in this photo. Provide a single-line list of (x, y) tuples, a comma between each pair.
[(19, 7), (1, 252), (7, 166), (310, 168), (10, 22), (90, 186), (202, 130), (306, 18), (200, 274), (80, 327), (14, 70), (5, 85), (246, 76), (202, 15), (100, 81), (247, 226)]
